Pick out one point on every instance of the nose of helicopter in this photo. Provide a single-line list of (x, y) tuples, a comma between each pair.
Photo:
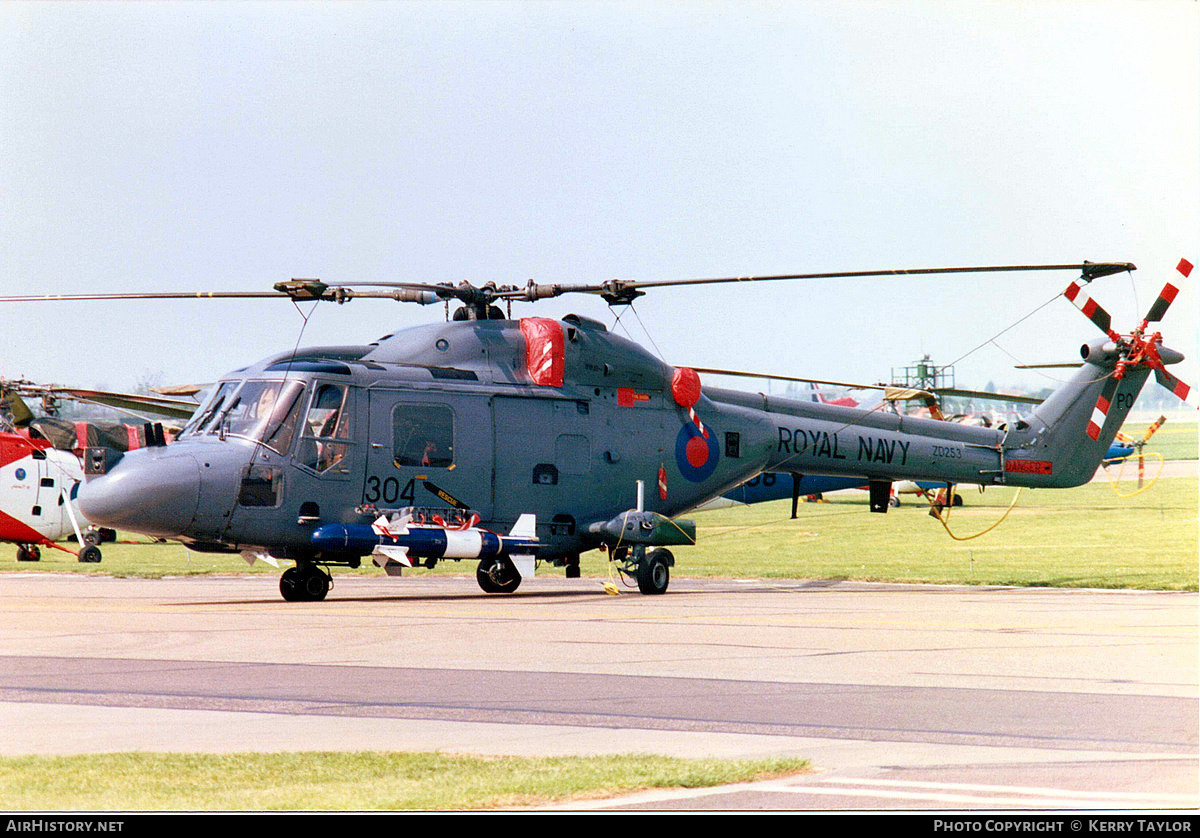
[(154, 495)]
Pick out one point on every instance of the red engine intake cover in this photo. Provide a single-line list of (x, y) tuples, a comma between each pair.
[(685, 387)]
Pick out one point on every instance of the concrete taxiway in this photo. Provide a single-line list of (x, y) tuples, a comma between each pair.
[(903, 696)]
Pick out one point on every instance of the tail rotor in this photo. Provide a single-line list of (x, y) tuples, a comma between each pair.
[(1136, 349)]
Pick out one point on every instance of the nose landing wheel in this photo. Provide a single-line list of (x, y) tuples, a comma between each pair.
[(304, 583)]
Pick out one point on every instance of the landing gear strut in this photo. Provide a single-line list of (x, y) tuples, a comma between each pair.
[(306, 582)]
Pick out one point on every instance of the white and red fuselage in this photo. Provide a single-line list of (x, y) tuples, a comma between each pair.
[(37, 482)]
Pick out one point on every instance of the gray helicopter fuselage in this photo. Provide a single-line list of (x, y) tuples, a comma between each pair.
[(453, 415), (570, 454)]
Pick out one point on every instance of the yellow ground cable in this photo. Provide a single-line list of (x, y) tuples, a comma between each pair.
[(610, 586), (691, 540), (950, 497), (1116, 482)]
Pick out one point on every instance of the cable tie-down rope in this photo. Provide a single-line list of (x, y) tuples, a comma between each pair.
[(943, 514)]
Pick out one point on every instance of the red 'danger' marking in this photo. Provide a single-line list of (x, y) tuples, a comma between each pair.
[(1029, 466)]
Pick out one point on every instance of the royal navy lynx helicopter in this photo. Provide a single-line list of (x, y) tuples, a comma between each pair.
[(519, 441)]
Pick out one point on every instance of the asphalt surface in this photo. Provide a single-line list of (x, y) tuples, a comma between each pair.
[(904, 697)]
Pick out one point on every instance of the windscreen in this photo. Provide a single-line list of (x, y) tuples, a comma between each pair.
[(212, 406), (261, 411)]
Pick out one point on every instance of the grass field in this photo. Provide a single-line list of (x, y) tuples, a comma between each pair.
[(1175, 440), (360, 781), (1085, 537)]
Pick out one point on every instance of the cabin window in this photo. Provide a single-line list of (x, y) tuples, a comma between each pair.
[(326, 430), (423, 435)]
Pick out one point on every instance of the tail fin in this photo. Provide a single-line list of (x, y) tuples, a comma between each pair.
[(1064, 440)]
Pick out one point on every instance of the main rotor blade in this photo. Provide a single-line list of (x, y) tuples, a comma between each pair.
[(623, 292), (405, 293), (940, 391), (19, 412), (741, 374), (174, 408), (1091, 270), (162, 295), (984, 394), (615, 292), (180, 389)]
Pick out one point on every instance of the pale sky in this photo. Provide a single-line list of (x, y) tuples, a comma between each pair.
[(229, 146)]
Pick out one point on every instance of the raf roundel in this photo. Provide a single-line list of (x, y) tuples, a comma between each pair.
[(696, 455)]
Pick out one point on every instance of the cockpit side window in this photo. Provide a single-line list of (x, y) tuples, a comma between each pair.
[(285, 419), (326, 430)]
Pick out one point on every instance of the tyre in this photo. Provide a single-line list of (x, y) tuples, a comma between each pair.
[(289, 585), (497, 576), (654, 572)]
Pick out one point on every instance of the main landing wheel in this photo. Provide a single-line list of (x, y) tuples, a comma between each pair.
[(497, 576), (90, 554), (304, 583), (654, 572)]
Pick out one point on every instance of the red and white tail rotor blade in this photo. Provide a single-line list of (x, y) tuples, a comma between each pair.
[(1167, 296), (1090, 308), (1177, 387), (1100, 411)]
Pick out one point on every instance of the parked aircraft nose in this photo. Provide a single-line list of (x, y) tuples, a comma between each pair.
[(146, 493)]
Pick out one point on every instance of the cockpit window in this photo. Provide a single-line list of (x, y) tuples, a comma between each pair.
[(285, 419), (202, 419), (264, 411), (201, 411), (326, 427), (257, 409)]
